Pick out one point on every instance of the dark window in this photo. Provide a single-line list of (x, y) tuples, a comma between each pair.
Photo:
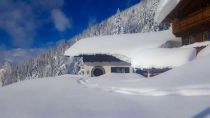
[(120, 70), (208, 36), (191, 39), (97, 71), (205, 36), (152, 72)]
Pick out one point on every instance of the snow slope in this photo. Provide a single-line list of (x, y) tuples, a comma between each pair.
[(204, 52), (191, 76), (183, 92), (63, 97)]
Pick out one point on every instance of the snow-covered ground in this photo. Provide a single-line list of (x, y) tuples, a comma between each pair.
[(183, 92), (204, 52)]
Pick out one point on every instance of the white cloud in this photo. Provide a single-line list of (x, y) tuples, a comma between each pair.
[(61, 22), (17, 20), (21, 19), (19, 55)]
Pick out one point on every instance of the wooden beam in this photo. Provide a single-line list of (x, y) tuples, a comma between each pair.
[(194, 20)]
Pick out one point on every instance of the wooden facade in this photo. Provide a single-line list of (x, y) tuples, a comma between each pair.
[(191, 20), (199, 18)]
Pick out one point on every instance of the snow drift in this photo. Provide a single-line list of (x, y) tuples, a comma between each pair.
[(204, 52), (124, 44), (163, 57), (141, 50), (197, 44), (183, 92)]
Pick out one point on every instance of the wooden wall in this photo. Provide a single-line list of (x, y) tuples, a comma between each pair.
[(192, 37)]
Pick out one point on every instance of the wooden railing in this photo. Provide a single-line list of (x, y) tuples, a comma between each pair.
[(192, 20)]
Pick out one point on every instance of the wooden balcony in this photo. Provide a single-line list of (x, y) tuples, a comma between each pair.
[(195, 20)]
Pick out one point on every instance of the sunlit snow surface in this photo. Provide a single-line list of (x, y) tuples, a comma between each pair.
[(204, 52), (142, 50), (183, 92)]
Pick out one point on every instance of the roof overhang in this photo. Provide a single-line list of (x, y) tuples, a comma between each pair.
[(165, 8)]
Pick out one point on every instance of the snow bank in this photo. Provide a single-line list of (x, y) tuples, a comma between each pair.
[(191, 79), (141, 50), (119, 76), (197, 44), (204, 52), (173, 43), (183, 92), (181, 88), (164, 8), (163, 57), (124, 44), (62, 97)]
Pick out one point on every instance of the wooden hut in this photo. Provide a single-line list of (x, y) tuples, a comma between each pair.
[(191, 20)]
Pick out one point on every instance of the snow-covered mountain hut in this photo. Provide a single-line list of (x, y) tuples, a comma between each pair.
[(127, 52), (190, 19), (99, 64)]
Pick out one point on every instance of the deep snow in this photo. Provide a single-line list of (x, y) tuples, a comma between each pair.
[(143, 50), (180, 93), (197, 44), (204, 52), (123, 44), (163, 57)]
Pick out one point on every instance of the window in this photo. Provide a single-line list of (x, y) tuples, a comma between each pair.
[(206, 36), (191, 39), (120, 70), (97, 71)]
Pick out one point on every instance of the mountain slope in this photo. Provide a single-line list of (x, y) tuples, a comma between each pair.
[(139, 18)]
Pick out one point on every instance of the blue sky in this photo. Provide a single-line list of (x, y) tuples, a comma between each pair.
[(41, 23), (30, 27)]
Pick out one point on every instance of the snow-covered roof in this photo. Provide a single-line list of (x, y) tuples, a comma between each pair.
[(123, 44), (164, 8), (135, 49), (163, 57)]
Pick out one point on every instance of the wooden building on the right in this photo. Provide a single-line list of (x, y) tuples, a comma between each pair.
[(190, 20)]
